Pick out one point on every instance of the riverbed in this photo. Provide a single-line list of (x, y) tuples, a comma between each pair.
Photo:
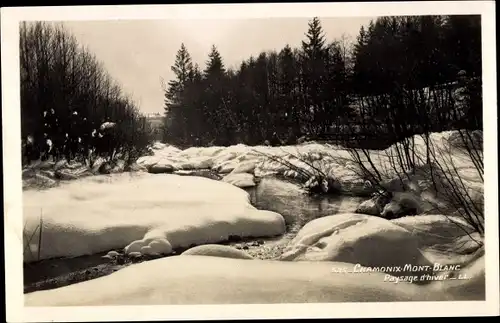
[(284, 197)]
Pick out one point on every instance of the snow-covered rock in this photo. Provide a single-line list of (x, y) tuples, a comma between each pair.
[(202, 162), (216, 280), (246, 166), (102, 213), (274, 187), (112, 254), (149, 246), (240, 179), (402, 204), (373, 206), (160, 168), (215, 250), (330, 161), (355, 238), (225, 162), (227, 166)]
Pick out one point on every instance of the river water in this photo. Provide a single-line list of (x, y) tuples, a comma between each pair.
[(288, 199), (296, 206)]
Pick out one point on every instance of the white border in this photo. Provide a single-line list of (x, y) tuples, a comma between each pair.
[(16, 311)]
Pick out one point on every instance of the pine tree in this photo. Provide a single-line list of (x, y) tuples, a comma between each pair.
[(287, 94), (314, 46), (175, 118), (313, 65), (215, 66), (335, 95), (215, 99), (183, 70), (359, 53)]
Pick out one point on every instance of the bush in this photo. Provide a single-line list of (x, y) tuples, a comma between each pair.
[(415, 114)]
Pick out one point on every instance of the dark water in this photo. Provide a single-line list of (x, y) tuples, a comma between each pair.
[(295, 205), (297, 208)]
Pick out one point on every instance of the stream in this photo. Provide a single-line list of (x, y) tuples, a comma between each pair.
[(286, 198), (297, 208)]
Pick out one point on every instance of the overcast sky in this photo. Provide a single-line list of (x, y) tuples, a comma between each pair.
[(138, 53)]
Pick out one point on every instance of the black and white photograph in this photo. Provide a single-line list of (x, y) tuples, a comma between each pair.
[(229, 155)]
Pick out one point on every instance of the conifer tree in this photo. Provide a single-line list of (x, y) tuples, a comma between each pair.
[(314, 78), (176, 123), (287, 93), (216, 109)]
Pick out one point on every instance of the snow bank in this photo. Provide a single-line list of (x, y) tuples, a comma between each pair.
[(216, 250), (357, 239), (376, 242), (314, 159), (427, 190), (46, 174), (139, 210), (330, 160), (217, 280), (446, 233), (240, 179)]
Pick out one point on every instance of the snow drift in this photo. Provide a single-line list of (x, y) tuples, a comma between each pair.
[(215, 250), (448, 234), (213, 280), (357, 239), (138, 210), (377, 242), (333, 161)]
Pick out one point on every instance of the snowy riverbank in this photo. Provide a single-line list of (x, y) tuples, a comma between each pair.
[(152, 214), (137, 211)]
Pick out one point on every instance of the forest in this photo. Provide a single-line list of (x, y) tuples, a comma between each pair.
[(68, 98), (399, 77)]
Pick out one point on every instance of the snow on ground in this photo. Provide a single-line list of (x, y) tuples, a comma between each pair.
[(377, 242), (137, 210), (414, 192), (240, 179), (217, 280), (448, 234), (333, 161), (355, 238), (216, 250)]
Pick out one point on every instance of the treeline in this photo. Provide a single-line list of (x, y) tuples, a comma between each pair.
[(415, 51), (395, 65), (67, 96)]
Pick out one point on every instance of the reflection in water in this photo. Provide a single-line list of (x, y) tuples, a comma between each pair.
[(276, 195), (295, 205)]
